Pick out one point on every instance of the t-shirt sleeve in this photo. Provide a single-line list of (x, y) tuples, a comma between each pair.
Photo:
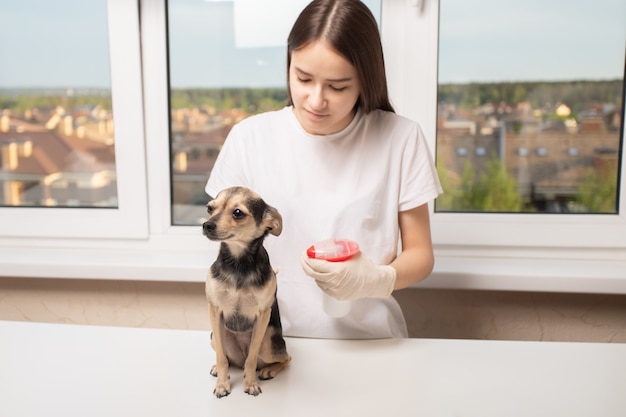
[(420, 182), (230, 167)]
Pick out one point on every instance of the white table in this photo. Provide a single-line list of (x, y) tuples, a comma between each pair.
[(70, 370)]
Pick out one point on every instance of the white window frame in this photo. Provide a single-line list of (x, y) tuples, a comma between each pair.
[(497, 251), (473, 251), (129, 219)]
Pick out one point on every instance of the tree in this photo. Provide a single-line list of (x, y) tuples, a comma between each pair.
[(446, 201), (494, 191), (599, 194), (497, 191)]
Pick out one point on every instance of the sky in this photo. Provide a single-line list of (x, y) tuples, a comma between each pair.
[(530, 40), (234, 43), (224, 34), (53, 43)]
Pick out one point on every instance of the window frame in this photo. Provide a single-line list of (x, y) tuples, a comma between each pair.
[(417, 72), (129, 219), (575, 254)]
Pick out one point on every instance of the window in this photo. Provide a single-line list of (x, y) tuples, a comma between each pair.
[(532, 80), (56, 125), (174, 84), (561, 230), (241, 71), (66, 141)]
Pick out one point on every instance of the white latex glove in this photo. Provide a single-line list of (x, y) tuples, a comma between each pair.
[(357, 277)]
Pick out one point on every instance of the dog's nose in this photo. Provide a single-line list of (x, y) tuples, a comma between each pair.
[(208, 227)]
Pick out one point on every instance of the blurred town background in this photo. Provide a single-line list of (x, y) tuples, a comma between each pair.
[(501, 147), (57, 148)]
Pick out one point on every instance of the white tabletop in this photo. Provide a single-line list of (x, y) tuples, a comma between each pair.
[(71, 370)]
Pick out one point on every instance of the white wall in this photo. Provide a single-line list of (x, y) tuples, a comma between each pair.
[(433, 313)]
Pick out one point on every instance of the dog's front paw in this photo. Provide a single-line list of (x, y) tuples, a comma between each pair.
[(222, 389), (252, 389), (267, 373)]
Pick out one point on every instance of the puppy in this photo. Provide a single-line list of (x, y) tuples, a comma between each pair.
[(241, 290)]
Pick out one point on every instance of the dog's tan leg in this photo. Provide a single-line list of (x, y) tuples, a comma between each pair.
[(222, 387), (272, 355), (250, 383), (271, 370)]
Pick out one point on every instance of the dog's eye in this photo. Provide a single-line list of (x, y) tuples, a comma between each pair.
[(209, 209), (238, 214)]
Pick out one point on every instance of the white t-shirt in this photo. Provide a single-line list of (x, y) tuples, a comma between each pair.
[(350, 184)]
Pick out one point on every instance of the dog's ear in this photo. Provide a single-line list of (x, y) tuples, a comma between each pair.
[(273, 221)]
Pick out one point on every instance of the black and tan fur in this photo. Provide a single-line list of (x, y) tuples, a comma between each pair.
[(241, 290)]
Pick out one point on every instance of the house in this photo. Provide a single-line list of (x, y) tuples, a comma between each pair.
[(59, 163)]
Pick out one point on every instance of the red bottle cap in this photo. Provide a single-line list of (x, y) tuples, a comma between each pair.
[(333, 250)]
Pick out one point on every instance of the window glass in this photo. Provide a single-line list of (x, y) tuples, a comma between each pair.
[(530, 100), (227, 61), (56, 123)]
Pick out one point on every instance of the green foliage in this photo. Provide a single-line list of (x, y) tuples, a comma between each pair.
[(253, 100), (497, 189), (574, 93), (466, 200), (598, 195), (22, 102), (445, 201), (250, 100), (494, 191)]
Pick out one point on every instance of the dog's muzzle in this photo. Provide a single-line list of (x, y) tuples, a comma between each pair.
[(208, 228)]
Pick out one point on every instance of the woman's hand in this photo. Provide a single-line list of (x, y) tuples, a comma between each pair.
[(356, 277)]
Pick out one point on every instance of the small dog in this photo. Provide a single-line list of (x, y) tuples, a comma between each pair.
[(241, 290)]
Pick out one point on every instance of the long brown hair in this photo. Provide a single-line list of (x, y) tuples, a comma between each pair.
[(349, 27)]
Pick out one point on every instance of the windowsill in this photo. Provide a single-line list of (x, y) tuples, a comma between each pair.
[(456, 268)]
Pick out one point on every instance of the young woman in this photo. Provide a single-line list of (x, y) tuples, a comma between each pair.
[(338, 162)]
